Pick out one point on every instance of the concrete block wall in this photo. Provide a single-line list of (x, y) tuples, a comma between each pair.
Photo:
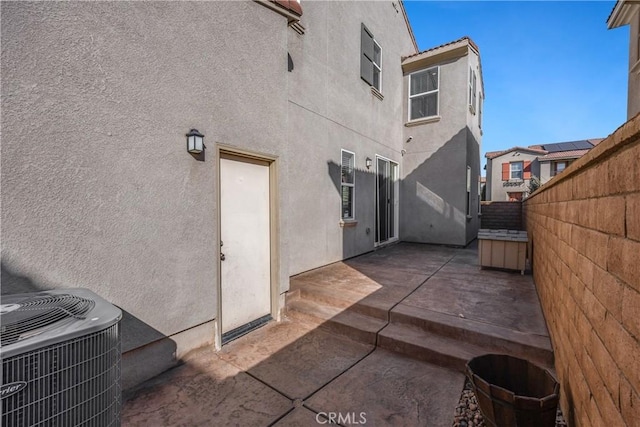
[(584, 227), (501, 215)]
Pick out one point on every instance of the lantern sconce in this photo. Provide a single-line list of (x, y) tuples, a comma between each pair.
[(368, 162), (194, 142)]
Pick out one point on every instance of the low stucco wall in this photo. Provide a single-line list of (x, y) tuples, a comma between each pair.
[(584, 226)]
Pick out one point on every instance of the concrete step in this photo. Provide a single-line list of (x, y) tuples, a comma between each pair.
[(338, 320), (435, 337), (490, 337), (427, 346), (345, 299)]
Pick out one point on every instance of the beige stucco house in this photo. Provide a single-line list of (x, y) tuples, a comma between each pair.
[(327, 134), (510, 172)]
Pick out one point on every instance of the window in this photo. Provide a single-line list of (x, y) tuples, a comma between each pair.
[(468, 190), (423, 93), (473, 93), (515, 170), (479, 195), (514, 197), (370, 59), (480, 101), (348, 184), (558, 167)]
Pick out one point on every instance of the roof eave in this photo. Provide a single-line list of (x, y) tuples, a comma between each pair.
[(622, 13), (292, 14), (421, 60), (491, 156), (409, 28)]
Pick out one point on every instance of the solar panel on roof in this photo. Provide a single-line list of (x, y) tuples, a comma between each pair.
[(552, 148), (583, 145), (567, 146)]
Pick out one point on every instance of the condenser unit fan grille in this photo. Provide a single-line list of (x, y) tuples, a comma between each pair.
[(73, 383), (40, 313)]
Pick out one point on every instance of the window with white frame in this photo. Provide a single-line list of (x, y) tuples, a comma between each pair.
[(348, 183), (516, 170), (472, 90), (423, 93), (370, 59), (480, 102), (468, 190), (479, 195)]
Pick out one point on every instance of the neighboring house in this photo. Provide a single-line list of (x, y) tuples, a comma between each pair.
[(509, 172), (560, 155), (627, 12), (326, 132)]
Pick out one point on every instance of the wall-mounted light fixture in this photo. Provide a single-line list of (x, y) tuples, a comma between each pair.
[(368, 162), (194, 142)]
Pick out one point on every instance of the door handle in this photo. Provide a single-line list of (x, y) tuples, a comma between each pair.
[(222, 257)]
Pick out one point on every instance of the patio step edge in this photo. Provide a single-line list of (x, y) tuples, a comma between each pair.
[(344, 322), (529, 346), (344, 300), (431, 347)]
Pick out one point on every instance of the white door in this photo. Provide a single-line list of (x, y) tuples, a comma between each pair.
[(245, 246)]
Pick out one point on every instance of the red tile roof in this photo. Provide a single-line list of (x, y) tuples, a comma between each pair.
[(292, 6), (595, 141), (573, 154)]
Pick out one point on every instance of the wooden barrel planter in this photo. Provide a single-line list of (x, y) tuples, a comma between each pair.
[(513, 392)]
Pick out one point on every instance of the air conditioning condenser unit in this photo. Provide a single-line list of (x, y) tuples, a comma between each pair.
[(61, 354)]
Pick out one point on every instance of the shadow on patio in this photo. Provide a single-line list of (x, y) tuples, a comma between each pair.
[(380, 338)]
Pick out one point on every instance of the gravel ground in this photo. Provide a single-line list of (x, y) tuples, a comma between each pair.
[(468, 413)]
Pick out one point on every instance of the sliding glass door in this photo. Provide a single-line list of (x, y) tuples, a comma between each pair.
[(386, 200)]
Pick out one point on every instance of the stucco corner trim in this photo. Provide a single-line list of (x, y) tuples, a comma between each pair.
[(423, 121), (348, 223)]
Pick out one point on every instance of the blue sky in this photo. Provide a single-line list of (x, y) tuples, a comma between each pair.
[(552, 71)]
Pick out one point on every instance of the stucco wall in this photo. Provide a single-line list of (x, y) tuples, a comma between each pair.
[(545, 172), (332, 108), (98, 190), (584, 226), (433, 189)]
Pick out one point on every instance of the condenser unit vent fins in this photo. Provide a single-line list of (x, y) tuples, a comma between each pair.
[(38, 314)]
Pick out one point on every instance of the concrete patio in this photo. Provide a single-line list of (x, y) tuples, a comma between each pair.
[(380, 339)]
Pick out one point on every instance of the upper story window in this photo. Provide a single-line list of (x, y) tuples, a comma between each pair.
[(348, 184), (370, 59), (423, 93), (480, 101), (516, 170), (472, 90), (557, 167)]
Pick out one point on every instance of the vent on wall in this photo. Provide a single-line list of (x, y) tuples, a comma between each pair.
[(60, 359)]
